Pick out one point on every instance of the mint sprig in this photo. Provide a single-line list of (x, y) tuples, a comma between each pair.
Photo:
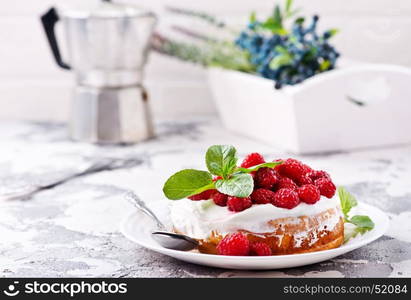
[(347, 201), (362, 223), (221, 160), (239, 185)]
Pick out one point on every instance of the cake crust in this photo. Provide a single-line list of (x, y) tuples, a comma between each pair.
[(293, 235)]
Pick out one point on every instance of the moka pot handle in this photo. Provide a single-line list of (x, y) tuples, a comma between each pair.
[(49, 20)]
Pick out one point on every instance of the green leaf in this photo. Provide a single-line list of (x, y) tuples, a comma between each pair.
[(186, 183), (349, 234), (288, 5), (325, 65), (221, 160), (257, 167), (362, 222), (275, 29), (299, 20), (311, 54), (277, 16), (333, 32), (347, 201), (293, 12), (281, 49), (270, 24), (280, 60), (353, 232), (253, 17), (288, 11), (239, 185)]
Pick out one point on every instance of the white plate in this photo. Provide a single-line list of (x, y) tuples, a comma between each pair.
[(137, 228)]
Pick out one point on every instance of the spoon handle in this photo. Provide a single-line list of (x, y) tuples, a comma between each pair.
[(138, 203)]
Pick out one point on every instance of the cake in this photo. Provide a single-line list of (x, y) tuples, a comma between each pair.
[(305, 228), (257, 208)]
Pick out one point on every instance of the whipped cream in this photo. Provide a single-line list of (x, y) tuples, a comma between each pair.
[(199, 218)]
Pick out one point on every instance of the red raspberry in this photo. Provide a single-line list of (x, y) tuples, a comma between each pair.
[(309, 194), (314, 175), (286, 183), (238, 204), (286, 198), (220, 199), (217, 178), (292, 168), (252, 159), (266, 178), (303, 180), (262, 196), (203, 195), (260, 249), (235, 244), (326, 187), (307, 169)]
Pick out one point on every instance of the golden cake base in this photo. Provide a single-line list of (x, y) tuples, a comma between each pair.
[(292, 235)]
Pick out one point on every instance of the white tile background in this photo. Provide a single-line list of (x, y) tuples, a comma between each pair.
[(32, 87)]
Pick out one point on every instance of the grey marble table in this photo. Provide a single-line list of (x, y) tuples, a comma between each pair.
[(73, 229)]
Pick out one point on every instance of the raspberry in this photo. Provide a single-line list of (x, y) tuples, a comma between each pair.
[(303, 180), (203, 195), (326, 187), (309, 194), (220, 199), (314, 175), (266, 178), (235, 244), (238, 204), (286, 198), (307, 169), (252, 159), (286, 183), (260, 249), (262, 196), (217, 178), (292, 168)]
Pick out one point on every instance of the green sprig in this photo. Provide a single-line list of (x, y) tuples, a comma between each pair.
[(221, 160), (362, 223)]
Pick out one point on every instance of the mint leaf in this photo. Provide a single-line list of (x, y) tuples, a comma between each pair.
[(347, 201), (362, 222), (221, 160), (349, 234), (239, 185), (186, 183), (257, 167)]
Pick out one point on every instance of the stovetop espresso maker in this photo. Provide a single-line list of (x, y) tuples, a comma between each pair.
[(107, 46)]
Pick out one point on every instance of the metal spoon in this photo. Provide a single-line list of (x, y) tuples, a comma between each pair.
[(162, 236)]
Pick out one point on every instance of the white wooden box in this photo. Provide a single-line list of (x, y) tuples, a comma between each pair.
[(347, 108)]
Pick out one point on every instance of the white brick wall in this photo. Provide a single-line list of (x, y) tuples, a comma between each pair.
[(32, 87)]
